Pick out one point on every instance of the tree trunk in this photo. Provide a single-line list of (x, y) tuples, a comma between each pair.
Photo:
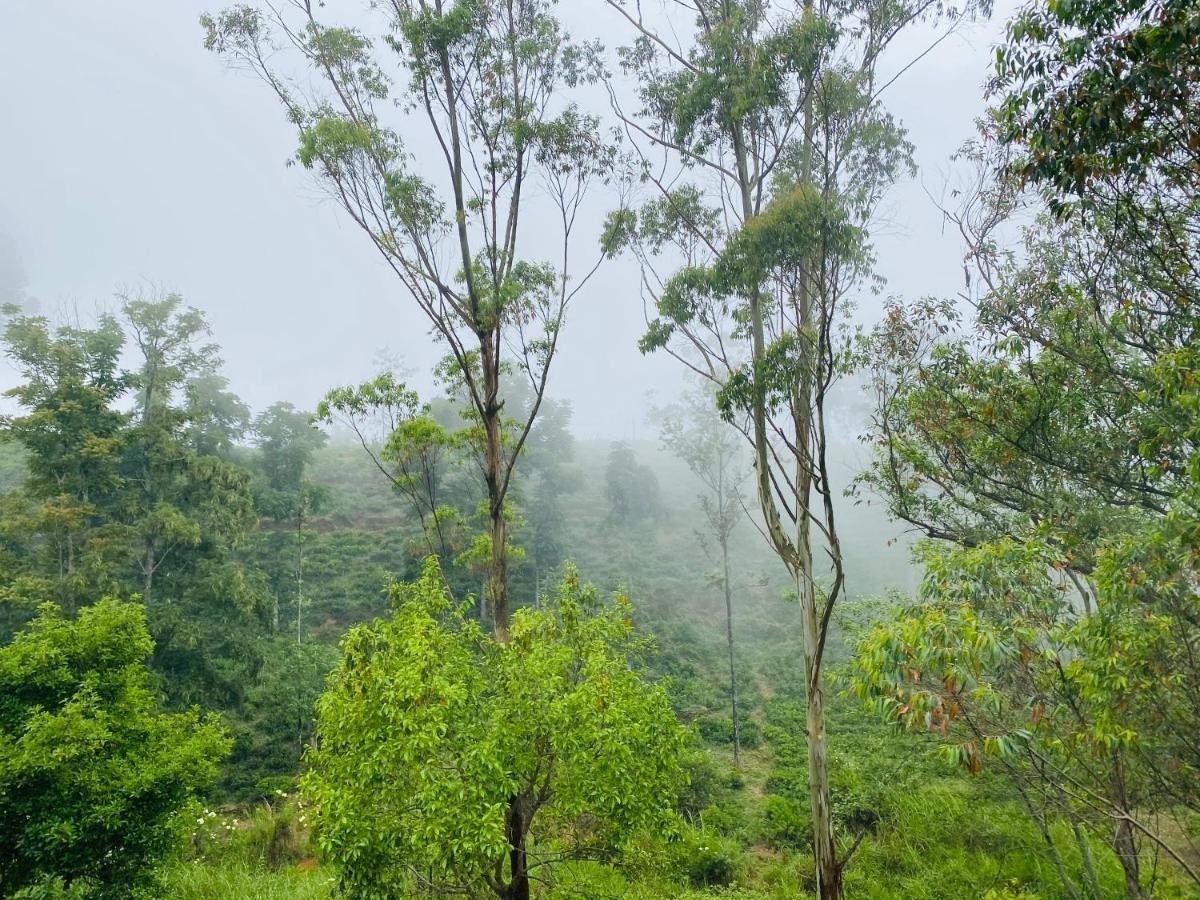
[(148, 573), (829, 872), (829, 869), (498, 576), (515, 830), (1125, 840), (1125, 846), (737, 728), (299, 570), (494, 474)]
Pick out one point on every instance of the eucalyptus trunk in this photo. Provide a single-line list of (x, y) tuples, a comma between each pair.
[(829, 870), (497, 580), (737, 726)]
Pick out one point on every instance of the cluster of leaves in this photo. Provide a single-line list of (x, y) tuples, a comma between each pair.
[(95, 781), (443, 752), (137, 483), (1055, 444)]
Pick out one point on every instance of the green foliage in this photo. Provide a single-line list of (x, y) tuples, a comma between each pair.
[(439, 747), (632, 488), (1100, 91), (704, 858), (62, 540), (94, 778), (1056, 446), (272, 834), (239, 881), (287, 442)]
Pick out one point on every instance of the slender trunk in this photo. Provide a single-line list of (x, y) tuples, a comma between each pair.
[(737, 728), (1125, 843), (299, 571), (498, 577), (1039, 820), (497, 584), (829, 872), (829, 869), (1125, 846), (1091, 884), (148, 573)]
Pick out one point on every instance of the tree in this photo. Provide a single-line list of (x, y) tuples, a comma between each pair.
[(217, 419), (765, 148), (94, 778), (412, 450), (1058, 436), (449, 761), (287, 441), (631, 488), (61, 540), (188, 513), (166, 335), (281, 710), (480, 80), (695, 433)]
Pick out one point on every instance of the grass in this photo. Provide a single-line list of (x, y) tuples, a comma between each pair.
[(241, 881)]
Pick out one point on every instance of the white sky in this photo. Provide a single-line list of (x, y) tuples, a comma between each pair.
[(131, 158)]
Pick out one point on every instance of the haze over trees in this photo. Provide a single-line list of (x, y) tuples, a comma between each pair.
[(427, 639)]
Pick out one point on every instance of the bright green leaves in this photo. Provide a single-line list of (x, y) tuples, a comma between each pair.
[(430, 728), (989, 618), (414, 203), (384, 395), (239, 27), (526, 293), (93, 777), (338, 142), (619, 228), (347, 52), (796, 226), (742, 72), (431, 32), (571, 144)]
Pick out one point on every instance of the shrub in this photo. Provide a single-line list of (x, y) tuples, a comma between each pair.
[(442, 751), (705, 858), (786, 822), (94, 778)]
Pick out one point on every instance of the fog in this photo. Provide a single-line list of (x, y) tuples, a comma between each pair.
[(134, 160)]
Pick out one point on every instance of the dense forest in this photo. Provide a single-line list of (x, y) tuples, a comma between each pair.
[(894, 597)]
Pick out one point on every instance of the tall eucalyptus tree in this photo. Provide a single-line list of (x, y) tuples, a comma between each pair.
[(440, 140), (760, 137)]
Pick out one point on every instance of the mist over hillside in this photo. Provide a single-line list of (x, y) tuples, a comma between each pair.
[(652, 449)]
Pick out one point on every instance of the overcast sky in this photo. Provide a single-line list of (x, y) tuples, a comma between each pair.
[(133, 159)]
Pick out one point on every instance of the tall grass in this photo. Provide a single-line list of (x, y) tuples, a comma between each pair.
[(242, 881)]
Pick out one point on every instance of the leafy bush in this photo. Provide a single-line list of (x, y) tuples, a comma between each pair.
[(274, 834), (786, 822), (443, 751), (704, 858), (702, 785), (718, 729), (93, 777)]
